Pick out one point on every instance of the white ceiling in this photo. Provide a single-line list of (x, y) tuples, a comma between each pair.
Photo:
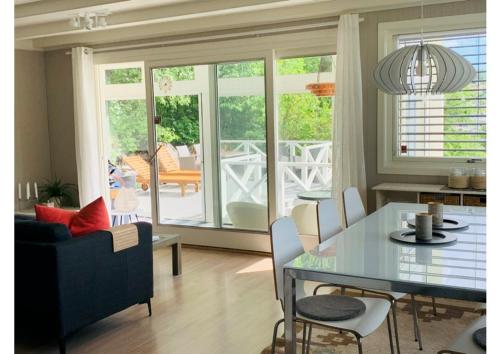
[(45, 23)]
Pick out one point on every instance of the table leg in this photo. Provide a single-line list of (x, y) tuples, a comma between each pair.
[(177, 258), (289, 295)]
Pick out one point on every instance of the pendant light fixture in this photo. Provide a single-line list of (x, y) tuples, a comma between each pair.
[(423, 69)]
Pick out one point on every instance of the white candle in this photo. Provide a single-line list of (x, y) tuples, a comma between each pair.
[(36, 191), (19, 192), (28, 191)]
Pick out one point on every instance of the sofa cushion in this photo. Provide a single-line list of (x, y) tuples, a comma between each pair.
[(38, 231), (54, 215), (92, 217)]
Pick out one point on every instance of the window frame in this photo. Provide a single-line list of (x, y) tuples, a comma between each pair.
[(388, 161)]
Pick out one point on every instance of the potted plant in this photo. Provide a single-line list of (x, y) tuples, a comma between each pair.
[(57, 192)]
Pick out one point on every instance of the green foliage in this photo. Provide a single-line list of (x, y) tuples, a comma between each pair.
[(128, 127), (306, 65), (305, 117), (456, 104), (179, 73), (57, 189), (241, 69), (180, 116), (242, 118), (123, 76)]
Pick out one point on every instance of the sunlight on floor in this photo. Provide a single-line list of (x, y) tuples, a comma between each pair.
[(263, 265)]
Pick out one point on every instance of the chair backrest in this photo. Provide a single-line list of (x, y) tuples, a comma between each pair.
[(304, 216), (285, 246), (139, 165), (167, 161), (183, 151), (353, 206), (245, 215), (328, 219)]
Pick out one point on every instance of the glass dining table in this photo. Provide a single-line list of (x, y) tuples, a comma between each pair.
[(364, 256)]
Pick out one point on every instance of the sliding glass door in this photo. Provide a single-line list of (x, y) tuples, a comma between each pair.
[(241, 107), (209, 126)]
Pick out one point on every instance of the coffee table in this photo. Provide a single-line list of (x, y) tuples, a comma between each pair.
[(173, 241)]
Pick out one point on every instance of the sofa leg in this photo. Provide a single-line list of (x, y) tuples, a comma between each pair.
[(62, 345), (149, 307)]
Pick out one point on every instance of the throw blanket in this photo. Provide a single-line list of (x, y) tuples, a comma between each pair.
[(124, 236)]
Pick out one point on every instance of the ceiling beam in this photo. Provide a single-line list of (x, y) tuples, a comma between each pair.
[(150, 15), (51, 6)]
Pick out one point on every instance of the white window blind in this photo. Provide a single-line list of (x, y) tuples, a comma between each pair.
[(451, 125)]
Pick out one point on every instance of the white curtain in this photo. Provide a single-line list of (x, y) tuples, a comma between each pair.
[(348, 150), (92, 176)]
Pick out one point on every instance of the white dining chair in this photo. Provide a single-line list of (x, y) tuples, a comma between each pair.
[(305, 216), (328, 226), (464, 343), (328, 220), (285, 246), (246, 215), (353, 206)]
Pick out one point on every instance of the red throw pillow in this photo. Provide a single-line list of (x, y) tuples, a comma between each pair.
[(55, 215), (93, 217)]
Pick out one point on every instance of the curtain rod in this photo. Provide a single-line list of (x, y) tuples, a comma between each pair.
[(255, 33)]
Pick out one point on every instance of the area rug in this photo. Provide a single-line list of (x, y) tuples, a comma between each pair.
[(437, 331)]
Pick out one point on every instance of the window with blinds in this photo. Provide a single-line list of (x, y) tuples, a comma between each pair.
[(451, 125)]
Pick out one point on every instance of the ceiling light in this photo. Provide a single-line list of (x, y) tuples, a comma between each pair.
[(423, 69), (89, 20)]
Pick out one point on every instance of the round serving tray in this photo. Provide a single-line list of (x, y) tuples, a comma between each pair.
[(448, 224), (408, 236)]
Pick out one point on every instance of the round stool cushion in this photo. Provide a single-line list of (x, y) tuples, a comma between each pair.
[(330, 307), (480, 337)]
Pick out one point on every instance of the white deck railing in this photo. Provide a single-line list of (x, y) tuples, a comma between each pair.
[(302, 166)]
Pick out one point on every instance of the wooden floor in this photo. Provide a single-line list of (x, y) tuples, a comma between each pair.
[(222, 303)]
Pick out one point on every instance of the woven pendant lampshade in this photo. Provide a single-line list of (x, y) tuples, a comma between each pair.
[(423, 69)]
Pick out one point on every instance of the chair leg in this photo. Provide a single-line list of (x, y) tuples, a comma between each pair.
[(149, 307), (395, 323), (360, 347), (304, 339), (62, 345), (362, 293), (434, 306), (415, 322), (309, 338), (391, 344), (275, 333)]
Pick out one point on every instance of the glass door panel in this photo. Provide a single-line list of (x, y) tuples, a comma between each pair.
[(241, 107), (305, 90), (179, 93), (125, 132)]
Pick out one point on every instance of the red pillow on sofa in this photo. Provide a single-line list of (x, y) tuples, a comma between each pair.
[(92, 217), (54, 215)]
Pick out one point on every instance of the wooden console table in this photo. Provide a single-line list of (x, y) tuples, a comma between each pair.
[(381, 191)]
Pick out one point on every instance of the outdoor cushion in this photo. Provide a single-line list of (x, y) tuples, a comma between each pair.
[(330, 307), (480, 337)]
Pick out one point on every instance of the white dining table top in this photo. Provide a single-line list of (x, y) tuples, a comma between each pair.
[(365, 251)]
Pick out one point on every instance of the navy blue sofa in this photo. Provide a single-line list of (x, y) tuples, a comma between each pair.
[(63, 284)]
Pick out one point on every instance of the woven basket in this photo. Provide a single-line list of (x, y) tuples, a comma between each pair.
[(478, 182)]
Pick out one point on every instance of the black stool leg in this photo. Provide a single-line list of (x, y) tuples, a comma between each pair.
[(149, 307)]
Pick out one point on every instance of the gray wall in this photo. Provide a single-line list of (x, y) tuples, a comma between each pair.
[(60, 112), (369, 58), (31, 130)]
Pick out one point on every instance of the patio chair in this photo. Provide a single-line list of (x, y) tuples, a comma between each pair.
[(245, 215), (141, 168), (170, 161)]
